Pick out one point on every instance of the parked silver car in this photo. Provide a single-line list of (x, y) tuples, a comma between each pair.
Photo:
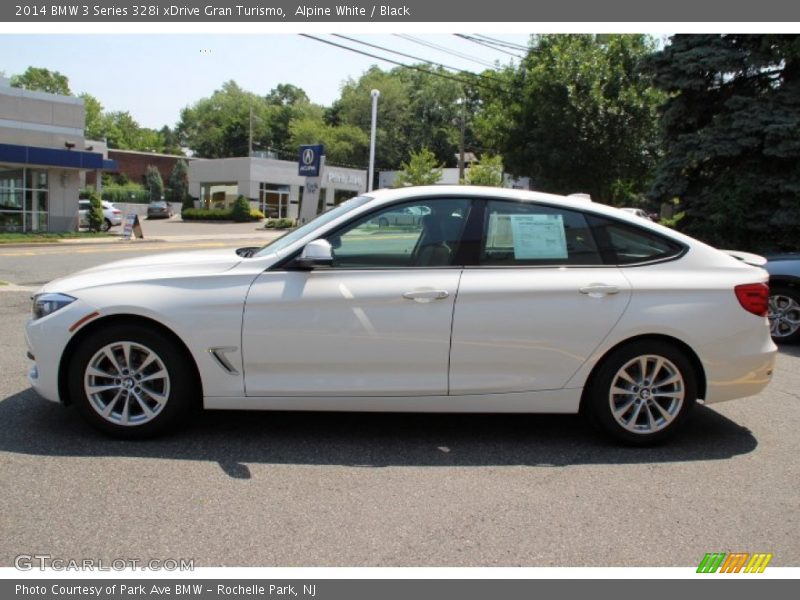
[(112, 216)]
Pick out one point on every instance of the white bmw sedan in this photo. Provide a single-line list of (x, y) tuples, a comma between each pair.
[(494, 301)]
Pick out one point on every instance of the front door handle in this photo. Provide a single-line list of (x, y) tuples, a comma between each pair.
[(426, 295), (598, 290)]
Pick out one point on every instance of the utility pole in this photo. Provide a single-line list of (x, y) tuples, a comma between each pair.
[(461, 141), (375, 94), (250, 142)]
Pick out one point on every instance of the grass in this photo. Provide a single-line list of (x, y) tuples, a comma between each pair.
[(46, 238)]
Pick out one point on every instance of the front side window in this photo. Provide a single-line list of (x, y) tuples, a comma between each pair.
[(519, 234), (426, 233)]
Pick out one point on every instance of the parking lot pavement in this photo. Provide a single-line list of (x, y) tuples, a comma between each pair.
[(317, 489)]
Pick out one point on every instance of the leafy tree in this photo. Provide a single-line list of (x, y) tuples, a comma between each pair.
[(344, 144), (731, 137), (94, 126), (42, 80), (154, 183), (421, 169), (123, 132), (578, 114), (219, 126), (488, 172), (95, 216), (179, 183)]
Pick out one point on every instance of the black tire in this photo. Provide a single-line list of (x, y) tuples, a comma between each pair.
[(646, 414), (169, 386), (106, 225), (784, 312)]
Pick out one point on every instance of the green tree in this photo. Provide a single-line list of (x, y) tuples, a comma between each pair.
[(94, 126), (219, 126), (731, 137), (344, 144), (95, 216), (42, 80), (123, 132), (153, 183), (179, 184), (489, 171), (422, 168), (578, 114)]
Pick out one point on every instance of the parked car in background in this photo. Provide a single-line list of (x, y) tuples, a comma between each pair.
[(112, 216), (784, 296), (494, 300), (159, 209), (404, 217)]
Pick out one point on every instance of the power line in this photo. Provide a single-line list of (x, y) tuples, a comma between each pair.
[(412, 67), (435, 64), (480, 42), (497, 42), (446, 50)]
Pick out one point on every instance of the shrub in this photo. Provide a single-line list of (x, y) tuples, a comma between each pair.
[(95, 216), (241, 210), (217, 214), (279, 223), (206, 214)]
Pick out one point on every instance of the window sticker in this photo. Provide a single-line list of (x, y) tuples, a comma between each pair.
[(538, 236)]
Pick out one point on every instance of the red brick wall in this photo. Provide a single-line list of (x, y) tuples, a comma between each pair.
[(134, 165)]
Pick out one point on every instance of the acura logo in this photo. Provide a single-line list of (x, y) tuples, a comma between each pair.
[(308, 156)]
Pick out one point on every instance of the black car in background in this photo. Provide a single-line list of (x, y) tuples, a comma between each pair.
[(159, 210), (784, 296)]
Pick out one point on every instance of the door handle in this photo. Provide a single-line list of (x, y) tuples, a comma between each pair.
[(598, 290), (426, 295)]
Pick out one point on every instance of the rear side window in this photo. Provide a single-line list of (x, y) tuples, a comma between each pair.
[(625, 244), (518, 234)]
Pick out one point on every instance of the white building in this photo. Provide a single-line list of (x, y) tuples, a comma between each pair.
[(43, 156), (272, 185)]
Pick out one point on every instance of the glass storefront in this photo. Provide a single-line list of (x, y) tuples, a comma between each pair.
[(273, 200), (23, 199)]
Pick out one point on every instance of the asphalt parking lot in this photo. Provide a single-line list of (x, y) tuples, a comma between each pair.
[(326, 489)]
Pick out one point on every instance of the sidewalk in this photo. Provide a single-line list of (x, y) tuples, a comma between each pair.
[(172, 230)]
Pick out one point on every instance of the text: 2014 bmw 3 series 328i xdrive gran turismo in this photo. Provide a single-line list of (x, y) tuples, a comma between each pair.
[(492, 301)]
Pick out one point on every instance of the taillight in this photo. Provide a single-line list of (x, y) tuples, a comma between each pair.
[(117, 212), (754, 298)]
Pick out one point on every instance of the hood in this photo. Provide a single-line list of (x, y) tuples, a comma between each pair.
[(152, 267)]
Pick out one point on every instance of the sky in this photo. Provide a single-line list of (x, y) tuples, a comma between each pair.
[(155, 76)]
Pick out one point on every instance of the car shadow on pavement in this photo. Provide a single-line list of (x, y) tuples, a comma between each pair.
[(791, 350), (33, 426)]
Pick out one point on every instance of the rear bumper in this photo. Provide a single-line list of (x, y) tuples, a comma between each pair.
[(742, 366)]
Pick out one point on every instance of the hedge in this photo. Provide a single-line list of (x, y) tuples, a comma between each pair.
[(215, 214)]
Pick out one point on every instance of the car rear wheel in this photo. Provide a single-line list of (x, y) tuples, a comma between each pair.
[(642, 392), (131, 382), (784, 314), (106, 225)]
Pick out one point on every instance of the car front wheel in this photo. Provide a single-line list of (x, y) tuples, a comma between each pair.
[(131, 382), (784, 314), (642, 392)]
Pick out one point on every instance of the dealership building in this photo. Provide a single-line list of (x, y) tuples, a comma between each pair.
[(273, 186), (43, 159)]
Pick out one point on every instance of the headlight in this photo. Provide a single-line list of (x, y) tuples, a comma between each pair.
[(45, 304)]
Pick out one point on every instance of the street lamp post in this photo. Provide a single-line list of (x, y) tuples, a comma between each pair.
[(375, 94)]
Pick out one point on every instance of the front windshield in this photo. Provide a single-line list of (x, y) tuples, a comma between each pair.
[(319, 221)]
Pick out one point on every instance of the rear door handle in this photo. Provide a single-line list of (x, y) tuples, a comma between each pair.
[(598, 290), (426, 295)]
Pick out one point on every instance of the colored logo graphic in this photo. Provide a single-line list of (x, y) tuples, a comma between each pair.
[(735, 562)]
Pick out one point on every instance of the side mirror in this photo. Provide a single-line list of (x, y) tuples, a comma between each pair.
[(318, 253)]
